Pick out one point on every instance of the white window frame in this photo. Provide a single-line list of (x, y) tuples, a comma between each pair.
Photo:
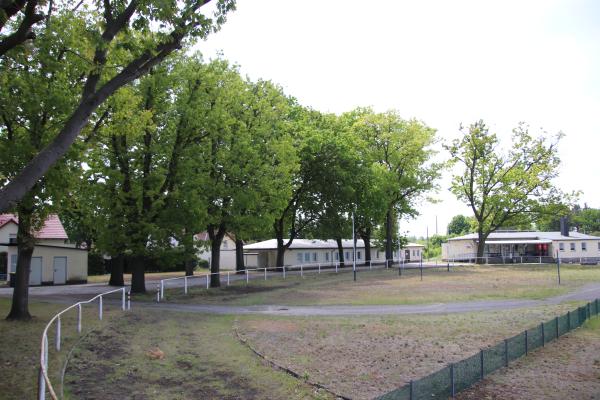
[(583, 246), (358, 255), (314, 257), (306, 257), (572, 246), (561, 246), (299, 257)]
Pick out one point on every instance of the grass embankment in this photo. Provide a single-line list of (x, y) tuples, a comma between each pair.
[(380, 287)]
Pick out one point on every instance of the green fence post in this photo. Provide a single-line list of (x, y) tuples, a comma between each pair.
[(526, 342), (481, 359), (452, 379), (543, 335)]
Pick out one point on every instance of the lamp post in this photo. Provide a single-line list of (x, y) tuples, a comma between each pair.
[(353, 249)]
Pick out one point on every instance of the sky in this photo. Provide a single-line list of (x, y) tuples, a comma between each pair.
[(445, 63)]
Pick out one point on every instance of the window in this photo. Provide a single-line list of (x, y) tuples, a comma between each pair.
[(414, 253), (561, 246), (378, 250), (358, 255), (583, 246), (326, 256), (347, 256), (12, 238), (13, 263), (572, 246), (307, 257), (337, 256), (598, 246), (315, 257), (299, 257)]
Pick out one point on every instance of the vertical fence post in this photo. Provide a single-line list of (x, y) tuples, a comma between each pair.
[(481, 361), (302, 271), (247, 277), (336, 267), (526, 344), (207, 276), (506, 352), (123, 299), (162, 289), (58, 333), (128, 300), (41, 386), (185, 285), (543, 335), (100, 307), (79, 318), (284, 272), (319, 265), (556, 320), (370, 264), (158, 293), (452, 388), (228, 273), (265, 274)]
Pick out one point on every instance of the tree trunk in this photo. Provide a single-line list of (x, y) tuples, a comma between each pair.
[(216, 238), (116, 271), (480, 248), (239, 255), (190, 255), (366, 237), (138, 281), (25, 243), (389, 226), (281, 248), (338, 240)]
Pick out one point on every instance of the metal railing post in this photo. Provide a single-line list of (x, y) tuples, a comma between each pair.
[(302, 271), (207, 280), (247, 277), (185, 285), (228, 278), (100, 307), (284, 272), (162, 289), (336, 267), (41, 385), (58, 334), (128, 300), (370, 264), (123, 295), (79, 318), (265, 274), (319, 266), (158, 293)]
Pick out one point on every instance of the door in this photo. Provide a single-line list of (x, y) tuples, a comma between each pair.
[(406, 255), (35, 272), (60, 270)]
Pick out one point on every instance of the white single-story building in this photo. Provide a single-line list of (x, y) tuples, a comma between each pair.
[(313, 251), (518, 246), (55, 261), (227, 250)]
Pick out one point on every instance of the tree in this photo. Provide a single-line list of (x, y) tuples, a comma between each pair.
[(402, 149), (28, 123), (503, 189), (129, 39), (19, 31), (459, 225)]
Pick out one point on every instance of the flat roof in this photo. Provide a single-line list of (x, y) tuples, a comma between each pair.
[(528, 235), (310, 244)]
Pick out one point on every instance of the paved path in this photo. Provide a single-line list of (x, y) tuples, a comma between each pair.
[(586, 293)]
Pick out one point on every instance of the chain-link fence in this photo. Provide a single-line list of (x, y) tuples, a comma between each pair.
[(458, 376)]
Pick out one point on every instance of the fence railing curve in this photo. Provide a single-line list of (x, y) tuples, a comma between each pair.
[(44, 384)]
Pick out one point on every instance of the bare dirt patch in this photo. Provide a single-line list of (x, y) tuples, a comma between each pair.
[(369, 356), (568, 368)]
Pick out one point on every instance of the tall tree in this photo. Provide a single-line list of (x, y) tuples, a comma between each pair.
[(129, 39), (459, 225), (503, 188), (403, 150)]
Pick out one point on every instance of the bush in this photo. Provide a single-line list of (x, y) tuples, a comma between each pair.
[(202, 264)]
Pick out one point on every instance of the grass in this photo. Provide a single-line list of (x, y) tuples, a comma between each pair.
[(200, 358), (380, 287)]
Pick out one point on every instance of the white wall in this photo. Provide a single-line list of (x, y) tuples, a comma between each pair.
[(77, 265)]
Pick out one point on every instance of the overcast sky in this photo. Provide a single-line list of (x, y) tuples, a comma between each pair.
[(443, 62)]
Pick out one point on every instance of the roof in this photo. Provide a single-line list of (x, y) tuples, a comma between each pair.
[(52, 228), (528, 235), (271, 244), (203, 236)]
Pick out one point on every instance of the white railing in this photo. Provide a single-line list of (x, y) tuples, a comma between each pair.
[(502, 259), (43, 380), (301, 269)]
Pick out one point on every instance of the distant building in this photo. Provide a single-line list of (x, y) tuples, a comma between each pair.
[(227, 253), (313, 251), (55, 261), (525, 247)]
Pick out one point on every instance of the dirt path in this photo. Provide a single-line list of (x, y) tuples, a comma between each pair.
[(585, 293)]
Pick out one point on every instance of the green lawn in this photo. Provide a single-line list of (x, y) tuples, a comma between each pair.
[(380, 287)]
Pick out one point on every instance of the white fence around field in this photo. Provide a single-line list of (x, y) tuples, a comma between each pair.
[(203, 280), (44, 384)]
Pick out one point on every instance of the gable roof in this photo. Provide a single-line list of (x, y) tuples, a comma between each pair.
[(528, 235), (52, 228)]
